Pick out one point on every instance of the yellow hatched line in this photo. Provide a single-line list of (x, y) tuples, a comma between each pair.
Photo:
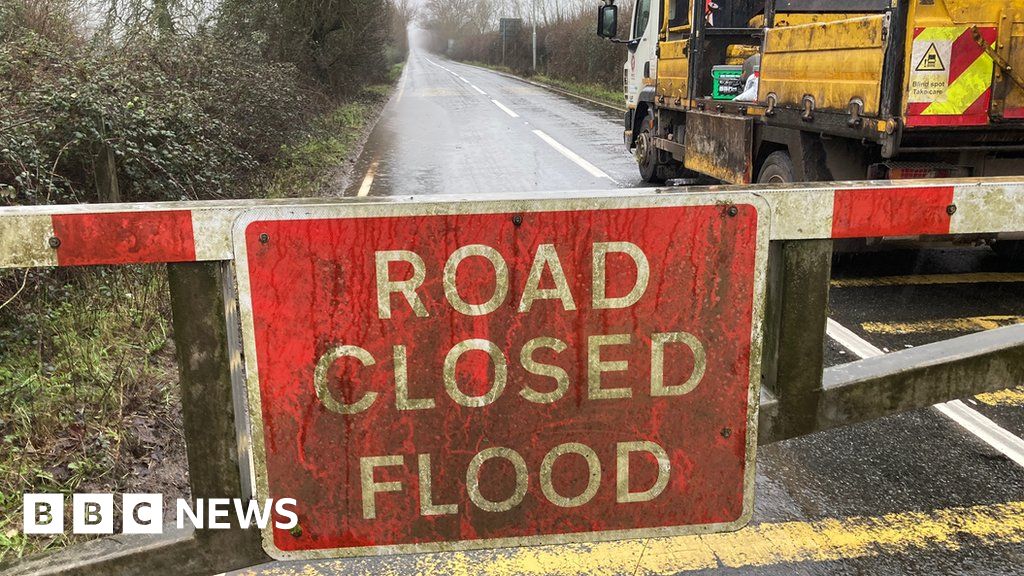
[(930, 279), (761, 545), (974, 324), (1009, 397)]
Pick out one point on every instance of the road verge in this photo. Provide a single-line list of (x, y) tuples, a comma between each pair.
[(591, 93)]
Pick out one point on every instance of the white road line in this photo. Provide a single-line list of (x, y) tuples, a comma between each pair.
[(368, 181), (460, 77), (859, 346), (505, 109), (594, 170), (439, 66), (977, 424), (971, 420)]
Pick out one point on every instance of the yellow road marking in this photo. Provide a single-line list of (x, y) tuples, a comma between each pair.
[(1009, 397), (401, 84), (930, 279), (974, 324), (760, 545), (364, 189)]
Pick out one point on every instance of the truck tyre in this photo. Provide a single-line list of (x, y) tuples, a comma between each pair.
[(647, 156), (777, 169)]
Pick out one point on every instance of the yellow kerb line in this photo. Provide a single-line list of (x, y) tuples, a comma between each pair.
[(760, 545), (930, 279), (975, 324)]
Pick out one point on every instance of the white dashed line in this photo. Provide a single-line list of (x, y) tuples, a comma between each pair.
[(971, 420), (594, 170), (368, 181), (505, 109), (460, 77)]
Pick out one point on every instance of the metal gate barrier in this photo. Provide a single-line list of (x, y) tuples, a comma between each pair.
[(798, 397)]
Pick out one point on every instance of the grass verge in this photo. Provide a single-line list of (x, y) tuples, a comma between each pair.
[(597, 92), (305, 168), (87, 390)]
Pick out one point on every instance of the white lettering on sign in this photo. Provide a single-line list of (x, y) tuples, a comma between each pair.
[(498, 361), (401, 276), (596, 366), (451, 288), (560, 376), (407, 288), (320, 379), (625, 492), (545, 258), (643, 274)]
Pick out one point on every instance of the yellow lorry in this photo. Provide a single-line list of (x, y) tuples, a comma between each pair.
[(845, 90)]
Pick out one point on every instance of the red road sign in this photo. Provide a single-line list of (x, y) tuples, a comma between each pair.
[(463, 375)]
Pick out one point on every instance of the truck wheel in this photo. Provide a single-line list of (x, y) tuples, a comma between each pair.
[(647, 156), (777, 169)]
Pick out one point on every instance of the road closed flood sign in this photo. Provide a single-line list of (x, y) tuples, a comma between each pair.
[(453, 375)]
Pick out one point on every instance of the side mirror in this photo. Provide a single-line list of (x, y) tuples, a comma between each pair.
[(608, 21)]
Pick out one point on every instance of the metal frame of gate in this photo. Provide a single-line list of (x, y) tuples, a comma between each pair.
[(798, 396)]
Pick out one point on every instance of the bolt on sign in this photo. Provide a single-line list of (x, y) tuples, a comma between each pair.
[(455, 375)]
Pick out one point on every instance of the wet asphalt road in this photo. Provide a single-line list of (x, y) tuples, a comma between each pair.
[(909, 494), (456, 129)]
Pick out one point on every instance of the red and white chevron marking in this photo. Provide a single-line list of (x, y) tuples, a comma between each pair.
[(96, 234)]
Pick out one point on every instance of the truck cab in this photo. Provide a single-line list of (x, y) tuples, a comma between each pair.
[(845, 90)]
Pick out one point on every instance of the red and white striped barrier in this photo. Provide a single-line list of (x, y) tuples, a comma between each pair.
[(91, 234), (94, 234), (898, 209)]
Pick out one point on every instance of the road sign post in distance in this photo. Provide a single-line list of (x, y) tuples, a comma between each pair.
[(453, 375)]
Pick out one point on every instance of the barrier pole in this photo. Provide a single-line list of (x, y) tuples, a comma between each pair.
[(201, 334), (796, 315)]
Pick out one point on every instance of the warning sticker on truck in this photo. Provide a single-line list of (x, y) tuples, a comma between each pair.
[(932, 61), (950, 77), (929, 77)]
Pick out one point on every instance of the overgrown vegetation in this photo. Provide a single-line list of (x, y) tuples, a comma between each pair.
[(84, 386), (189, 110), (193, 99), (569, 53), (306, 166)]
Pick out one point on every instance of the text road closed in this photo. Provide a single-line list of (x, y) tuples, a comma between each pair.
[(527, 377)]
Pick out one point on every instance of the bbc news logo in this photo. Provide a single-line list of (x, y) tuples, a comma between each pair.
[(144, 513)]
